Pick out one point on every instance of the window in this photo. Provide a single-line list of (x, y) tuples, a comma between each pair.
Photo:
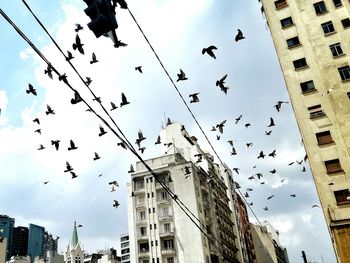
[(324, 137), (328, 27), (287, 22), (344, 73), (348, 95), (167, 227), (168, 244), (139, 184), (125, 251), (170, 260), (337, 3), (346, 22), (142, 215), (320, 8), (336, 50), (144, 247), (316, 111), (307, 86), (280, 4), (292, 42), (333, 166), (143, 231), (141, 200), (164, 196), (342, 196), (300, 63)]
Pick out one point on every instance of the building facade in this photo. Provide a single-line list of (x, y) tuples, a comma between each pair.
[(3, 246), (6, 231), (36, 241), (159, 231), (125, 248), (312, 40), (20, 241)]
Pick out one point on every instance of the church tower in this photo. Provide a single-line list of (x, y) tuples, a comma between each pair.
[(74, 253)]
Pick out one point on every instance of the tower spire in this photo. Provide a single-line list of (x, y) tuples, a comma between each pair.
[(74, 241)]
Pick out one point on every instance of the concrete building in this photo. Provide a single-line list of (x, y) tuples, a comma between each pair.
[(6, 231), (3, 246), (159, 230), (125, 248), (36, 241), (20, 241), (109, 256), (312, 40), (267, 245), (19, 259)]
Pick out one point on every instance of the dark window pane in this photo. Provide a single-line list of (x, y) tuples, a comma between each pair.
[(280, 4), (324, 137), (286, 22), (333, 166), (299, 63), (346, 22), (344, 72), (336, 49), (328, 27), (293, 42), (342, 196), (337, 3), (320, 8), (307, 86)]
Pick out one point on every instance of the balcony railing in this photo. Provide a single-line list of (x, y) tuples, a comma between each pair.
[(168, 251), (165, 217), (166, 233)]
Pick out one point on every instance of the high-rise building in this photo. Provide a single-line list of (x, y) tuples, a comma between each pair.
[(312, 43), (125, 248), (3, 246), (20, 241), (6, 231), (159, 230), (36, 241)]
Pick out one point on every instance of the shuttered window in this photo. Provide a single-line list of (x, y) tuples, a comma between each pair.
[(342, 196), (333, 166), (324, 137), (316, 111), (280, 4)]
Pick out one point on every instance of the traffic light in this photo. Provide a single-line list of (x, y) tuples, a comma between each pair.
[(102, 16)]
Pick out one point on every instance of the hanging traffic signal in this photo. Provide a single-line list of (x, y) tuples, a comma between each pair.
[(102, 16)]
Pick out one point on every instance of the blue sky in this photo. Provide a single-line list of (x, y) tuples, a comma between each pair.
[(178, 30)]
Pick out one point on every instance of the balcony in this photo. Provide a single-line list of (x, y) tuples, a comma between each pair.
[(144, 253), (165, 217), (337, 214), (169, 233), (168, 251), (141, 237), (140, 205)]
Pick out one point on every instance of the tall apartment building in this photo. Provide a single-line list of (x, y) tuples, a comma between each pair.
[(36, 241), (159, 231), (20, 241), (125, 248), (6, 231), (312, 40)]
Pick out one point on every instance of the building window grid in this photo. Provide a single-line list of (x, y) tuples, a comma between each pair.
[(328, 27), (344, 73), (336, 50)]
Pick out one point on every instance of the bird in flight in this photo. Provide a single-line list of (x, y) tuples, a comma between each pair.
[(181, 76), (247, 125), (72, 146), (36, 120), (266, 208), (56, 143), (79, 225), (270, 197), (220, 126), (78, 45), (76, 98), (316, 206), (116, 203), (93, 58), (272, 123), (114, 183), (238, 119), (268, 132), (292, 195), (46, 182), (249, 144), (273, 171), (236, 169), (210, 51), (78, 27), (41, 147), (38, 131), (194, 97), (239, 36), (69, 56), (131, 170), (102, 131), (234, 152), (221, 84), (69, 168), (31, 89), (261, 155), (158, 140), (124, 101), (48, 71), (139, 69), (88, 81), (113, 106), (140, 138), (73, 175), (279, 105), (273, 153), (63, 78), (96, 157)]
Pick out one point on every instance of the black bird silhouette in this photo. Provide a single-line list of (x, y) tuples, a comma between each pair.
[(273, 153), (76, 98), (239, 36), (122, 144), (73, 175), (273, 171), (102, 131), (194, 97), (38, 131), (113, 106), (140, 138), (48, 71), (279, 105), (88, 81), (78, 45), (69, 168), (210, 51), (41, 147), (213, 128), (221, 83), (272, 123), (261, 155), (259, 175), (69, 56), (79, 225), (142, 149), (181, 76), (230, 142), (251, 177), (236, 169), (49, 110), (268, 132), (98, 99), (158, 140), (249, 144), (299, 162), (251, 203), (131, 170), (238, 119), (218, 137), (124, 101), (250, 189), (96, 157), (31, 89), (168, 122), (304, 169), (116, 203), (293, 195), (246, 194), (266, 208), (119, 43), (234, 152), (93, 58), (247, 125), (114, 183), (220, 126), (56, 143), (290, 163), (46, 182), (270, 197), (63, 78), (78, 27), (72, 146), (36, 120), (139, 69)]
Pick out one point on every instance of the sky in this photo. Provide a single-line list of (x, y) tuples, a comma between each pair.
[(178, 31)]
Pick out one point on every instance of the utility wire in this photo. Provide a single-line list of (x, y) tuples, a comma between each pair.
[(186, 105), (182, 206)]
